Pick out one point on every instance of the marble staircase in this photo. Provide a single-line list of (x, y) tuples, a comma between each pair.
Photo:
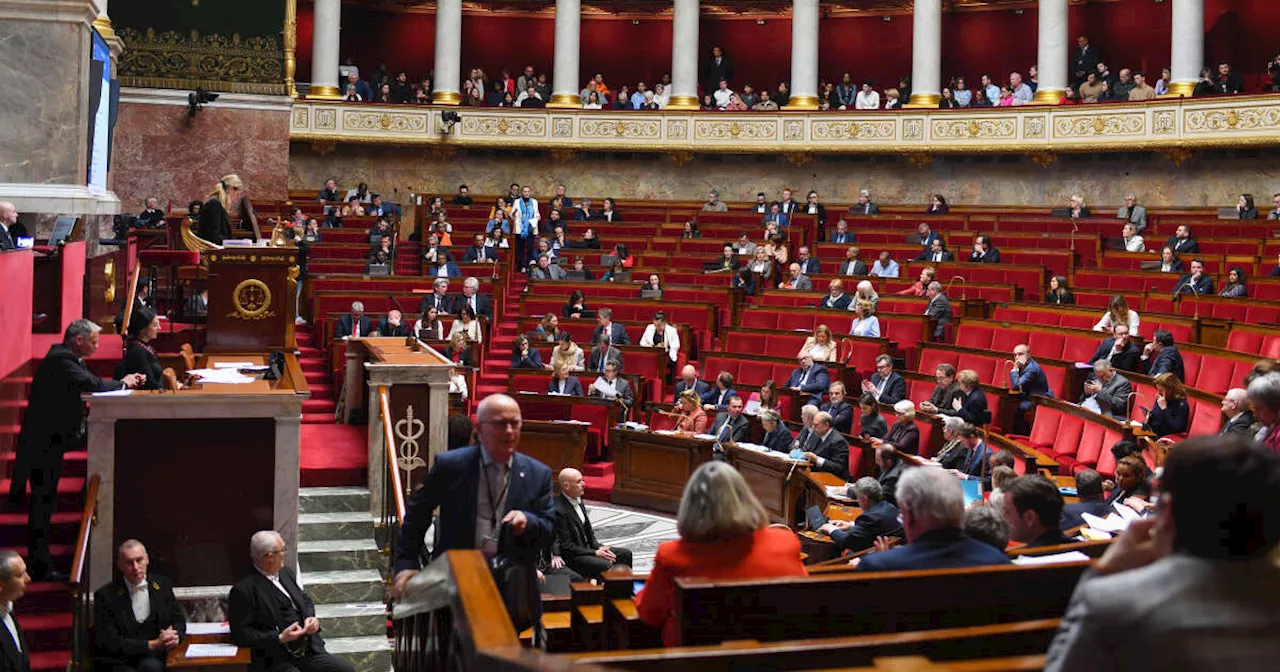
[(343, 571)]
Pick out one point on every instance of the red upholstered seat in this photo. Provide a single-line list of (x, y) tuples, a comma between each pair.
[(930, 359), (1270, 347), (1206, 418), (1215, 374), (919, 390), (1045, 344), (1248, 342), (982, 365), (926, 435), (1056, 376), (1146, 396), (1191, 366), (760, 319), (1071, 321), (801, 321), (1078, 348), (1066, 443), (1107, 461), (1044, 428), (974, 336), (1004, 340)]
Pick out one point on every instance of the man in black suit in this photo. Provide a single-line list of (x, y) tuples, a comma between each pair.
[(1123, 353), (605, 325), (879, 518), (471, 296), (484, 493), (13, 585), (852, 265), (730, 425), (810, 378), (1033, 507), (689, 381), (355, 324), (983, 252), (136, 617), (864, 206), (885, 385), (393, 324), (8, 218), (438, 298), (1235, 407), (603, 354), (842, 234), (937, 253), (717, 398), (939, 309), (839, 408), (945, 392), (579, 548), (1085, 58), (716, 68), (1181, 241), (53, 424), (1195, 282), (478, 253), (831, 451), (152, 216), (274, 618), (808, 265), (1089, 491), (1162, 356)]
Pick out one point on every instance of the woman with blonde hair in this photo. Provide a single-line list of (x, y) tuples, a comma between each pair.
[(865, 292), (724, 534), (693, 420), (1171, 413), (866, 324), (820, 346), (1118, 313), (215, 222)]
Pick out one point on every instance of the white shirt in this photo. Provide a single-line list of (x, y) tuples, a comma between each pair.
[(577, 507), (867, 100), (670, 339), (141, 599), (721, 96), (13, 629), (275, 581)]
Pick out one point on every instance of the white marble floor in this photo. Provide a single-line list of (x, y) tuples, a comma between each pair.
[(639, 531)]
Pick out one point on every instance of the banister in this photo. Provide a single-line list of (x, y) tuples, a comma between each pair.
[(81, 587), (389, 446), (88, 517)]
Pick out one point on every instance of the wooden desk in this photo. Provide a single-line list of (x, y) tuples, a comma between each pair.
[(177, 658), (252, 293), (555, 444)]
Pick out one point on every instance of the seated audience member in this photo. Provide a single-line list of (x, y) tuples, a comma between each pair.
[(1118, 313), (1123, 353), (1132, 480), (575, 307), (1275, 200), (689, 380), (393, 324), (137, 618), (938, 310), (1076, 208), (1263, 394), (1171, 414), (879, 518), (1132, 213), (1027, 378), (152, 216), (479, 253), (270, 614), (796, 280), (717, 398), (563, 383), (865, 324), (745, 280), (545, 270), (605, 325), (653, 285), (139, 353), (1235, 408), (467, 323), (971, 404), (660, 334), (431, 327), (724, 534), (730, 425), (903, 436), (608, 213), (1200, 564), (889, 468), (548, 329), (610, 386), (1195, 282), (839, 408), (1131, 240), (830, 450), (1107, 393), (524, 355), (567, 353), (842, 234), (727, 261), (921, 286), (865, 291), (808, 265), (1169, 261), (463, 197), (438, 298), (975, 464), (354, 324), (986, 524), (937, 253), (690, 418), (578, 546), (382, 253), (1033, 507), (714, 204), (765, 399), (925, 234), (932, 513), (852, 265), (805, 438), (1162, 356), (885, 384), (603, 354), (835, 298), (820, 346), (953, 451), (1235, 285), (1245, 208), (871, 424), (744, 246), (983, 252), (945, 392), (1058, 293), (885, 266), (809, 379), (1089, 492), (776, 435)]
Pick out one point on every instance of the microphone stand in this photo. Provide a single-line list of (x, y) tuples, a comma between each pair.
[(1128, 408)]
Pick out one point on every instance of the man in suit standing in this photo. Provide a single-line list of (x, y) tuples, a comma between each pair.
[(8, 218), (1162, 356), (716, 68), (689, 381), (811, 379), (274, 618), (393, 324), (831, 452), (605, 325), (839, 408), (1033, 507), (1195, 282), (885, 384), (13, 585), (1085, 59), (579, 548), (932, 509), (1109, 393), (1089, 492), (1119, 350), (355, 324), (730, 425), (1027, 378), (939, 309), (136, 617), (1200, 566), (52, 425), (438, 299), (808, 265), (471, 296), (1235, 407), (603, 354), (879, 518)]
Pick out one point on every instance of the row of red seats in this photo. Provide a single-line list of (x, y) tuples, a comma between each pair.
[(1067, 319)]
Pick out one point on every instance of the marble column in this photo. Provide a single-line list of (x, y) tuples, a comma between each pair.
[(926, 54), (804, 55), (565, 73), (1053, 53), (684, 56), (1188, 47), (448, 66), (326, 32)]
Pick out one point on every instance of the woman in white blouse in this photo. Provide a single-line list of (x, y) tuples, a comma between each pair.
[(866, 324), (865, 292), (1118, 313), (1132, 241), (467, 324), (820, 345), (659, 334), (593, 101), (660, 96)]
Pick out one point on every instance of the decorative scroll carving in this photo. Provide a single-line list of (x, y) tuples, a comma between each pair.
[(502, 126), (1102, 124), (734, 130), (823, 130), (974, 129), (630, 129), (1248, 118), (384, 121), (175, 60)]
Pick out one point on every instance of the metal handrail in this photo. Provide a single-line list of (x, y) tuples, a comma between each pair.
[(81, 586)]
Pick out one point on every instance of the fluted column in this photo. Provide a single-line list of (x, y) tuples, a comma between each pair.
[(1188, 46), (684, 56), (326, 31), (1053, 53), (804, 55), (565, 76), (448, 68), (926, 54)]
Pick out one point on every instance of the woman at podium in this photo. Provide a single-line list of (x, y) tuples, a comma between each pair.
[(215, 223), (139, 355)]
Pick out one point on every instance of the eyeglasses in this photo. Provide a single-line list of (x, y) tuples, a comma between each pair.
[(502, 424)]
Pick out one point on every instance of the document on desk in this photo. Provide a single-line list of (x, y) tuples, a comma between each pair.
[(840, 492), (232, 365), (208, 629), (211, 650), (114, 393), (1052, 559), (221, 376)]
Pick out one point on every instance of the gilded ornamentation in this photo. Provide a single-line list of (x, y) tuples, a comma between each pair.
[(912, 129), (563, 155), (680, 157), (734, 130), (677, 129), (408, 430), (216, 62), (1044, 159), (563, 128), (1250, 118), (109, 279), (251, 300), (823, 130), (326, 119), (1163, 123), (1033, 128), (974, 129), (629, 129), (920, 160), (323, 147), (1112, 124), (301, 117), (1177, 156), (800, 158), (490, 125), (384, 121), (793, 131)]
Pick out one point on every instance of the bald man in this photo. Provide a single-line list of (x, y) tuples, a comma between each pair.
[(689, 381), (8, 217), (578, 546)]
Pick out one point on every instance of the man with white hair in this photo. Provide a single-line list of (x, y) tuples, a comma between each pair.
[(939, 309), (438, 299), (932, 508), (471, 296), (578, 546), (8, 218), (830, 452), (1133, 213), (864, 206), (354, 324), (274, 618), (1235, 407), (137, 619), (1264, 397), (879, 518)]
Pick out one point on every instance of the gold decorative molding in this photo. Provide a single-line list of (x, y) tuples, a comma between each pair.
[(1043, 159), (172, 60), (563, 155), (799, 159), (920, 160), (1176, 156), (290, 46), (680, 157)]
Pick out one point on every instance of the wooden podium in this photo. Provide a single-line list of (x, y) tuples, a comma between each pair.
[(252, 299)]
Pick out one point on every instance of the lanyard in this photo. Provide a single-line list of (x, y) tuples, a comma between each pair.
[(493, 503)]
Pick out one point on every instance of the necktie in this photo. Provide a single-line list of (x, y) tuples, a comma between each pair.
[(724, 430), (355, 327), (803, 377)]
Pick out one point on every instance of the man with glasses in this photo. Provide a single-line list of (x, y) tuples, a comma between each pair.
[(885, 385)]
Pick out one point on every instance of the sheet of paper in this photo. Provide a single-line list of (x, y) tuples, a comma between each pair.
[(1112, 523), (1091, 534), (1052, 559), (605, 390), (840, 492), (208, 629), (1125, 512), (232, 365), (211, 650), (114, 393)]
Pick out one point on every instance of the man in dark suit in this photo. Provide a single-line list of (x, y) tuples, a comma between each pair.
[(945, 392), (716, 68), (438, 298), (835, 298), (1123, 353), (939, 309), (1181, 241), (932, 507), (879, 518), (852, 265), (937, 252), (609, 386), (152, 217), (8, 218), (1089, 491), (136, 617), (885, 384), (274, 618), (983, 252), (578, 546), (1235, 407), (805, 438), (393, 324), (811, 379), (730, 425), (808, 265), (1162, 356), (1033, 507), (717, 398), (842, 234), (839, 408), (864, 206), (603, 354), (1085, 58), (605, 325), (478, 253), (974, 465), (471, 296), (13, 585), (355, 324), (570, 386), (1108, 392), (925, 236), (1195, 282), (689, 381), (197, 304), (831, 452), (1027, 378), (53, 424), (889, 467)]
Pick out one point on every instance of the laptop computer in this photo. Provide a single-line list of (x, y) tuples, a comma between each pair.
[(650, 293), (575, 275), (1228, 213), (622, 276)]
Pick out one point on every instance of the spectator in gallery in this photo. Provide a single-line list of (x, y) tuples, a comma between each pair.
[(1006, 97), (1141, 90), (827, 97), (542, 87), (1162, 84), (937, 206), (961, 93), (638, 97), (1205, 86), (990, 88), (867, 98), (1058, 293), (1245, 208), (1093, 89), (904, 88), (891, 99), (463, 197), (718, 67), (1227, 81), (947, 101), (723, 95), (1235, 285), (765, 104), (783, 95), (980, 98), (1033, 78), (661, 95), (749, 96), (708, 103), (846, 93), (1021, 93), (530, 98), (1085, 59), (735, 104)]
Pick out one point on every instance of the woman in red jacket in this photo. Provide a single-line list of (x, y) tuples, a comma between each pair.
[(724, 534)]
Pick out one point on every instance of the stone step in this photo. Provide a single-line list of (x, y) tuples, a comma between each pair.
[(335, 525), (366, 654), (353, 619), (333, 499), (338, 554), (343, 586)]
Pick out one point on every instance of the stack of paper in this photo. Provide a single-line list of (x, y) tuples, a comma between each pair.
[(231, 376), (1113, 523), (211, 650), (208, 628), (840, 492), (1051, 559)]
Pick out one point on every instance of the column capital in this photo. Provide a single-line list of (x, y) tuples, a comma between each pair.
[(60, 11)]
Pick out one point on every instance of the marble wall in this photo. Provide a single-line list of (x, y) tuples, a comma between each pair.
[(160, 151), (43, 69), (1205, 179)]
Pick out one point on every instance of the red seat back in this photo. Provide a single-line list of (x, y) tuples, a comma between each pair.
[(974, 336), (1045, 427), (1090, 444), (1206, 418), (1067, 441)]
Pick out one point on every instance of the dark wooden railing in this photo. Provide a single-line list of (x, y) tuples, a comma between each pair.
[(81, 583), (393, 491)]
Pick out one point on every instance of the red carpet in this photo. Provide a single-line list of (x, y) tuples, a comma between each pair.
[(334, 455)]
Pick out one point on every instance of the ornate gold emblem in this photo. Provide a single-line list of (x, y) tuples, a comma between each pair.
[(1233, 118), (408, 431), (252, 300), (503, 126), (109, 277)]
